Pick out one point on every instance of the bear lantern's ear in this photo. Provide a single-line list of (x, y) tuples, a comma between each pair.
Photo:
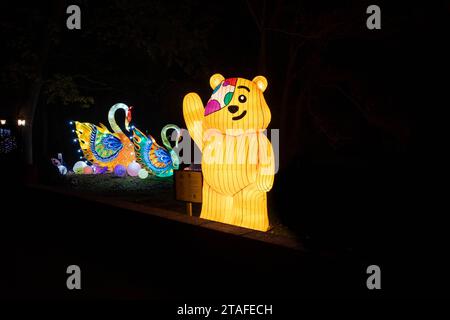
[(261, 82), (215, 80)]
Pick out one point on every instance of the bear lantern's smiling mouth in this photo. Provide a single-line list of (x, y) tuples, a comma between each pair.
[(239, 117)]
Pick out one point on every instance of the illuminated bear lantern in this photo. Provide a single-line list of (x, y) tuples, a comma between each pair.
[(237, 158)]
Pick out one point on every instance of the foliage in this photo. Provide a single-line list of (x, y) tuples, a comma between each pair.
[(19, 47), (62, 89), (165, 33)]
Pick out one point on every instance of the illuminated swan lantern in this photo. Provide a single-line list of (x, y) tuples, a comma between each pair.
[(153, 157), (105, 148)]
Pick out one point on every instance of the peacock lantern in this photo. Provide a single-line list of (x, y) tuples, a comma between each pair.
[(156, 159), (109, 149), (104, 148)]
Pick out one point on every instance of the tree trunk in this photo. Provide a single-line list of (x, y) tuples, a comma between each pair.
[(28, 110)]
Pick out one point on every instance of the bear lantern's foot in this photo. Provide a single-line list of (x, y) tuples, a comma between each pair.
[(247, 208)]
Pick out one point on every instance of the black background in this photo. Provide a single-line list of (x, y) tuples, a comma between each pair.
[(361, 174)]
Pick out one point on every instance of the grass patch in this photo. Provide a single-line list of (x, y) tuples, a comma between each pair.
[(153, 191)]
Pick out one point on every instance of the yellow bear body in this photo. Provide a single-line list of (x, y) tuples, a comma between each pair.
[(237, 158)]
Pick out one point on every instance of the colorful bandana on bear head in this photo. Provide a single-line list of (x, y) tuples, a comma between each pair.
[(221, 96)]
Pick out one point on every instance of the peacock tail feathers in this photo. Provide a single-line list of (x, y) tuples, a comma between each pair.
[(103, 127), (102, 147), (152, 156)]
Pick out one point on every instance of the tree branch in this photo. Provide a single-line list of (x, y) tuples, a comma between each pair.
[(86, 78), (253, 14)]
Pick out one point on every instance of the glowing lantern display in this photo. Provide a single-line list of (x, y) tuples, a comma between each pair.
[(105, 148), (237, 158), (143, 174), (79, 166), (7, 141), (133, 169), (154, 158), (99, 169), (62, 170), (120, 171), (88, 170)]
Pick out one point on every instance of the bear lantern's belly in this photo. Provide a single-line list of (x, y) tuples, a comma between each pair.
[(229, 163)]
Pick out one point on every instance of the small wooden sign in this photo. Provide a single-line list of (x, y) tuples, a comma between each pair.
[(188, 185)]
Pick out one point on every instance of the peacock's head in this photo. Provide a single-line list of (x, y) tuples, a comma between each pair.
[(173, 151), (128, 118)]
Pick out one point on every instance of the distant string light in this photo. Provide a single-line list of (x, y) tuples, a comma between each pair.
[(7, 141)]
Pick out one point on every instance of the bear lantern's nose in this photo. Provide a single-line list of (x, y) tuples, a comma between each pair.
[(233, 109)]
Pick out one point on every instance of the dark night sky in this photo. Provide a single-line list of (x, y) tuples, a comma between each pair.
[(382, 61)]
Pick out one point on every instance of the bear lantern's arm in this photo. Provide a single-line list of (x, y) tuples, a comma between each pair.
[(266, 164), (193, 112)]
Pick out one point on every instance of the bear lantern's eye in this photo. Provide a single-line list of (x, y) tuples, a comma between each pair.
[(242, 98)]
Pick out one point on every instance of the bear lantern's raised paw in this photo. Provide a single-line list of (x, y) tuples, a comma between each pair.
[(237, 158)]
